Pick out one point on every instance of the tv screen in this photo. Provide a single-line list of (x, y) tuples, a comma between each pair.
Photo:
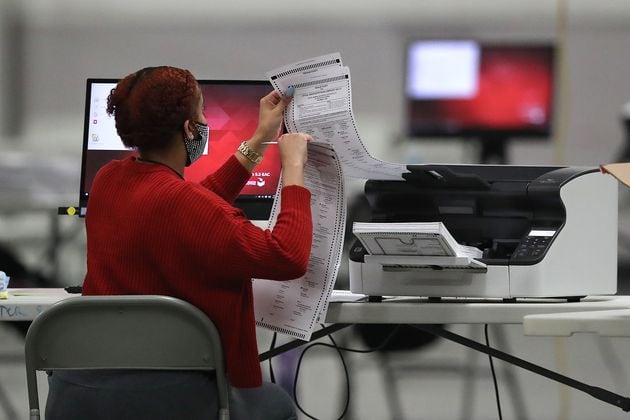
[(467, 88), (231, 108)]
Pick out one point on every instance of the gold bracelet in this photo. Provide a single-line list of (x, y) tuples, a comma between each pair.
[(251, 155)]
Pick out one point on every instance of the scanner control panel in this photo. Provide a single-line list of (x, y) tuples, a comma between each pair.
[(534, 245)]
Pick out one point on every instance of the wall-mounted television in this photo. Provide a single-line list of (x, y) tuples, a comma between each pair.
[(488, 91)]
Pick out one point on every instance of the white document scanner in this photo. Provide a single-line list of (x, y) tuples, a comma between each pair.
[(545, 232)]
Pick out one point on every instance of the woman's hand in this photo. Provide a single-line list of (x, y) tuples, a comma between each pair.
[(272, 107), (293, 154), (270, 114)]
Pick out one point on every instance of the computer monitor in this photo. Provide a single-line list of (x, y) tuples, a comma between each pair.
[(486, 91), (231, 108)]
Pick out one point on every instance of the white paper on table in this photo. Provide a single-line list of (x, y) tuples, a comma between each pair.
[(294, 307)]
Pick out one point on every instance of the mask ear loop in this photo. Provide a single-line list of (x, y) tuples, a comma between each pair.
[(198, 135), (193, 136)]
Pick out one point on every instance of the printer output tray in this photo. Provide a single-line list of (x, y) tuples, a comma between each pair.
[(397, 263)]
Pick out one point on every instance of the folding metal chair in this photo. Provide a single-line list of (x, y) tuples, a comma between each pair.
[(124, 332)]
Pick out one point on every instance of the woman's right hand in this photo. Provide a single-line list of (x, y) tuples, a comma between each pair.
[(270, 114), (293, 154)]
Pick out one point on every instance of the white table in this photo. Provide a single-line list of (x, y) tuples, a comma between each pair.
[(607, 323), (26, 304), (607, 315), (403, 310)]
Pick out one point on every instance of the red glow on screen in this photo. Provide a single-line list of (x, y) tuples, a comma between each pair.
[(514, 95), (232, 114)]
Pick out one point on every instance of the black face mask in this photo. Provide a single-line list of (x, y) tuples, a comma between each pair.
[(196, 145)]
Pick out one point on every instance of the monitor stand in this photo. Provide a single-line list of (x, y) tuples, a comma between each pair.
[(493, 149)]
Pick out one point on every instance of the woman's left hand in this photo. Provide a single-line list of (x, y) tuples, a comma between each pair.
[(272, 107)]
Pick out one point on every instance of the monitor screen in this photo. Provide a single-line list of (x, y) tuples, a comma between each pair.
[(466, 88), (231, 108)]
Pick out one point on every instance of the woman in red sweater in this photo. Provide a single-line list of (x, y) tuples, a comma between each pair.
[(149, 231)]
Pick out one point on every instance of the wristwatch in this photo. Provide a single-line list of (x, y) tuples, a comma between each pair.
[(251, 155)]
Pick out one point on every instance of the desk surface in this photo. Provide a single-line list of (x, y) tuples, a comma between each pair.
[(465, 311), (541, 317), (26, 304), (609, 323)]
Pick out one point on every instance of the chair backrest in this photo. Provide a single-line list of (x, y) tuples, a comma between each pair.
[(123, 332)]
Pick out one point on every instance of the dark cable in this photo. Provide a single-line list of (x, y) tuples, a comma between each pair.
[(272, 377), (494, 376), (347, 375), (339, 350)]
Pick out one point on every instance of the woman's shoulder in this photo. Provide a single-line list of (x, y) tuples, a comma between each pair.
[(115, 165)]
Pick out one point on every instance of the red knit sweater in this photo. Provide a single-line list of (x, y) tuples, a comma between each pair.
[(150, 232)]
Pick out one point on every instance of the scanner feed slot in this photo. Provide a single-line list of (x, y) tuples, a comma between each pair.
[(443, 177), (397, 263)]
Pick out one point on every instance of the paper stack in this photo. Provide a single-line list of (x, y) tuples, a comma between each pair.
[(413, 238)]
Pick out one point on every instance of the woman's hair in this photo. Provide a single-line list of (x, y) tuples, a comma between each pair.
[(150, 105)]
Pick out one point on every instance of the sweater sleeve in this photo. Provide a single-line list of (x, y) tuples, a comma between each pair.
[(227, 181), (227, 244)]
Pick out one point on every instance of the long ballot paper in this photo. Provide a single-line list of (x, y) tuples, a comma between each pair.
[(321, 107), (294, 307)]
